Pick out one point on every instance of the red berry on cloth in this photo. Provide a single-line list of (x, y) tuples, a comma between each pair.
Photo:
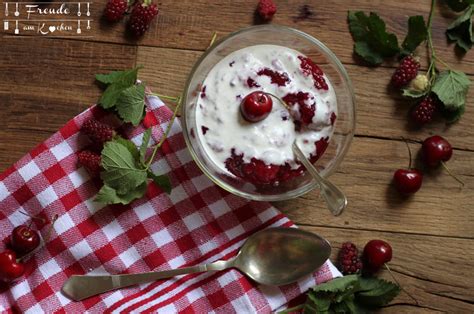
[(91, 161), (424, 111), (24, 239), (349, 261), (141, 18), (407, 181), (266, 9), (10, 269), (406, 71), (376, 254), (256, 106), (115, 10), (98, 132)]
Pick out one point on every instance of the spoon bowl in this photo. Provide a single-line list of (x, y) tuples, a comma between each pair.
[(279, 256)]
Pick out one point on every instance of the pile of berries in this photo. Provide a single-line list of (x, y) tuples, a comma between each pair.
[(142, 13), (376, 254), (435, 151), (407, 75), (22, 243), (98, 133)]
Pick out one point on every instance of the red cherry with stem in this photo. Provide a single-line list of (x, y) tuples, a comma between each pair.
[(24, 239), (408, 181), (437, 150), (10, 268), (256, 106), (376, 254)]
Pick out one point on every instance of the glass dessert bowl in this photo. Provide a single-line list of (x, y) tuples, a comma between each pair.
[(252, 94)]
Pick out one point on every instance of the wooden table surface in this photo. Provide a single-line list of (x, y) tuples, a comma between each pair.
[(44, 82)]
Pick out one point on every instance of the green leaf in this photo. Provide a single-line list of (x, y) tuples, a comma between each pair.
[(451, 88), (374, 292), (131, 104), (121, 170), (129, 145), (372, 41), (417, 33), (108, 195), (362, 49), (339, 284), (458, 5), (144, 146), (125, 78), (460, 31), (111, 95), (162, 181), (412, 93), (452, 116)]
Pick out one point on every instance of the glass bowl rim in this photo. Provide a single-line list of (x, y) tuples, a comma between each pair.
[(312, 184)]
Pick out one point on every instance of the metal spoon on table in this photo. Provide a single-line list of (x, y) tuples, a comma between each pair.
[(334, 197), (274, 256)]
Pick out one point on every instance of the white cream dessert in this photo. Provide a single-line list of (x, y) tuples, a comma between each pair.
[(260, 152)]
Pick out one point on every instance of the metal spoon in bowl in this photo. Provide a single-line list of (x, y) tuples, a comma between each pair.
[(275, 256), (334, 197)]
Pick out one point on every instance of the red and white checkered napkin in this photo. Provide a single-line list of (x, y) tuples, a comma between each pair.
[(198, 223)]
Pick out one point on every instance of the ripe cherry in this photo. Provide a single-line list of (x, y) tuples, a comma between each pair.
[(10, 268), (435, 150), (408, 181), (256, 106), (24, 239), (376, 254)]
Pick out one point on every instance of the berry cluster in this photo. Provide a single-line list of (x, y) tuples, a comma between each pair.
[(22, 242), (266, 9), (376, 254), (435, 151), (407, 74), (142, 14), (98, 133)]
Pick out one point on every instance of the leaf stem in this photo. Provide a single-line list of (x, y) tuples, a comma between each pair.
[(399, 285), (213, 39), (292, 309), (165, 135), (170, 98)]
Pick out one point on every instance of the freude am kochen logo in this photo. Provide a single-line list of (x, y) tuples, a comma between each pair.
[(47, 18)]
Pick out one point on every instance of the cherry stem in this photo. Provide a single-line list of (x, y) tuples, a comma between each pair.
[(280, 100), (292, 309), (452, 174), (32, 217), (399, 285), (29, 226), (409, 152), (213, 39)]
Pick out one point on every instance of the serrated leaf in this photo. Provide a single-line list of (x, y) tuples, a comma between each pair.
[(460, 31), (412, 93), (372, 41), (374, 292), (131, 104), (144, 145), (126, 78), (452, 116), (162, 181), (363, 50), (121, 171), (417, 33), (458, 5), (451, 88), (132, 148), (108, 195), (337, 284), (111, 95)]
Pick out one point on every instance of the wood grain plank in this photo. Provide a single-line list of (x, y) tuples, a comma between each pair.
[(441, 207), (46, 82), (436, 271), (190, 24), (381, 112)]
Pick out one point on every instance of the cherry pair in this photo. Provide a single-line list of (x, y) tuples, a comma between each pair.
[(435, 151)]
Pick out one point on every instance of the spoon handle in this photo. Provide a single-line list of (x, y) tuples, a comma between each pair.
[(80, 287), (334, 197)]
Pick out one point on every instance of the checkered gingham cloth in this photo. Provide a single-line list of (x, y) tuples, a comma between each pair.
[(198, 223)]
